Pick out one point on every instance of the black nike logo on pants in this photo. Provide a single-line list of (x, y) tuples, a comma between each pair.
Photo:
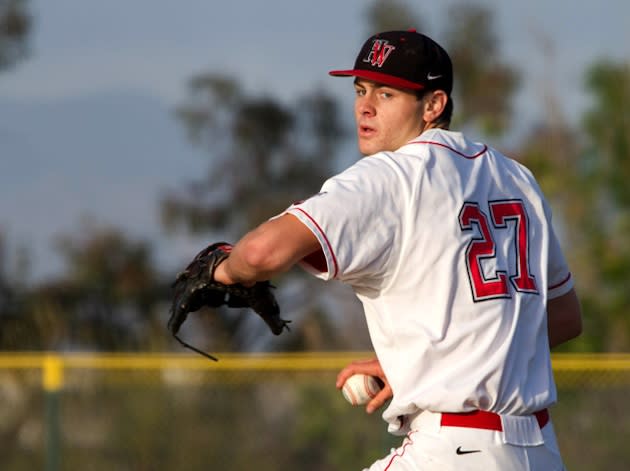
[(459, 451)]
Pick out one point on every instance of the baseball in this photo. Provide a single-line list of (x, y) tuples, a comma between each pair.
[(360, 389)]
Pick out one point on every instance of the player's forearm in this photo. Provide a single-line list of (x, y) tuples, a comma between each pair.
[(564, 319)]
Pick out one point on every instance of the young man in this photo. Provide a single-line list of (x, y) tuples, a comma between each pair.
[(449, 246)]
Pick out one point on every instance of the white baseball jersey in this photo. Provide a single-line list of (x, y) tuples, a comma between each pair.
[(449, 246)]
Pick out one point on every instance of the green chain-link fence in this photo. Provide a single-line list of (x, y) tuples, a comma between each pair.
[(265, 412)]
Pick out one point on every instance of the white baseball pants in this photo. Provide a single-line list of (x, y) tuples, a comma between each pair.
[(521, 446)]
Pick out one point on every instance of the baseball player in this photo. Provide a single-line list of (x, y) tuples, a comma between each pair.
[(450, 247)]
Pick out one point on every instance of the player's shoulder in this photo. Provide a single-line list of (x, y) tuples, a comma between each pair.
[(379, 165), (436, 142)]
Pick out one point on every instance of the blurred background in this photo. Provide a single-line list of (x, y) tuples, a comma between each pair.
[(132, 134)]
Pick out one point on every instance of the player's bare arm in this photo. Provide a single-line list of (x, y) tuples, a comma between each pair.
[(272, 248), (370, 367), (564, 318)]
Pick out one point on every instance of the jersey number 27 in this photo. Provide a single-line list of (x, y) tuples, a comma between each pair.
[(484, 247)]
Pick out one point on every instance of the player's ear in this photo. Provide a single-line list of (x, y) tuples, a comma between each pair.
[(434, 104)]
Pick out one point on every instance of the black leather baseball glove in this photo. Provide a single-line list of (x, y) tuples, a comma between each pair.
[(195, 288)]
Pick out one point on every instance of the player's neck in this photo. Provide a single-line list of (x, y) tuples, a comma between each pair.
[(432, 125)]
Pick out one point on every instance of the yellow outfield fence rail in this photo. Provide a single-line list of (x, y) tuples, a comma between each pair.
[(100, 411), (568, 367)]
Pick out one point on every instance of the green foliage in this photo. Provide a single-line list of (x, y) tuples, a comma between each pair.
[(607, 124), (391, 15), (263, 155), (585, 175), (107, 299), (15, 26), (484, 85)]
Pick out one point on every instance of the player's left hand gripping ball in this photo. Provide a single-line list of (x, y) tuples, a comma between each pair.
[(195, 287)]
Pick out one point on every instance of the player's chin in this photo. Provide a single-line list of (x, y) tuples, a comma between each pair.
[(368, 147)]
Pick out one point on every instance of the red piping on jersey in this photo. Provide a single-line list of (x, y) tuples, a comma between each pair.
[(561, 283), (325, 239), (433, 143)]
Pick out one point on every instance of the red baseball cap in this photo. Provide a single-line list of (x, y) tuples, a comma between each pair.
[(403, 59)]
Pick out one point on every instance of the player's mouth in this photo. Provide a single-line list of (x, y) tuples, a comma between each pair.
[(366, 131)]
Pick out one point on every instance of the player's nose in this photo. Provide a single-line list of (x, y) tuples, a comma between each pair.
[(365, 106)]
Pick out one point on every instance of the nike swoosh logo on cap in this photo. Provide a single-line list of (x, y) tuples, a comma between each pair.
[(430, 76)]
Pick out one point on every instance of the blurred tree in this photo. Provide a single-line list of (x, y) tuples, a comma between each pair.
[(6, 291), (607, 123), (110, 288), (15, 25), (109, 298), (605, 171), (14, 292), (584, 174), (390, 15), (264, 155), (484, 85)]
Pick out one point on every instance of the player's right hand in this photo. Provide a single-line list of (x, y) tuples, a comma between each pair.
[(370, 367)]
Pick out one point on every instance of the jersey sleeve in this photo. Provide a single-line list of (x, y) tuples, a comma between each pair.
[(354, 219)]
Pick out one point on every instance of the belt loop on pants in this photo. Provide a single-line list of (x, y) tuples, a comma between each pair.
[(484, 419)]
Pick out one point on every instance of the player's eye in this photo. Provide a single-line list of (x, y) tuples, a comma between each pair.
[(359, 91)]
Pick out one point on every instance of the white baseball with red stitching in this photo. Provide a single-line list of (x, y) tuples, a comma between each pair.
[(360, 389)]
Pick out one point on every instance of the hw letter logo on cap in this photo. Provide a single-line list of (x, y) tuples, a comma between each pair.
[(381, 50)]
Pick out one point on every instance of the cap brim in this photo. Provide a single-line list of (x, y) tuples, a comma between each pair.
[(378, 77)]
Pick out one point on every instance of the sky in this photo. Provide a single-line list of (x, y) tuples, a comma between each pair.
[(86, 121)]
